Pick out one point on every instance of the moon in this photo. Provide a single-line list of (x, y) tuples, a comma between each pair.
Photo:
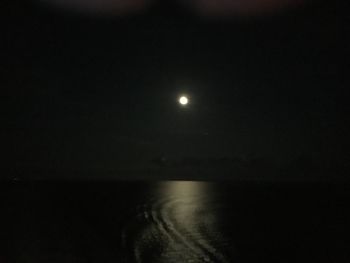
[(183, 100)]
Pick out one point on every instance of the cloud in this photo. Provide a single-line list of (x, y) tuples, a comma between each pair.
[(239, 7), (118, 7), (203, 7)]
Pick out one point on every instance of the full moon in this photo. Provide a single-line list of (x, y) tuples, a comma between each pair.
[(183, 100)]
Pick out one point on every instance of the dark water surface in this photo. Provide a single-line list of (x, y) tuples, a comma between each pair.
[(175, 222)]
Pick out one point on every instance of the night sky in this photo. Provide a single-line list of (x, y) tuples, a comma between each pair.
[(85, 90)]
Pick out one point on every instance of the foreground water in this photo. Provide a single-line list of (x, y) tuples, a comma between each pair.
[(175, 222)]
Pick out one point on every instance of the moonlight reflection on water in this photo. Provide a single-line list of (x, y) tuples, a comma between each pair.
[(175, 222), (180, 224)]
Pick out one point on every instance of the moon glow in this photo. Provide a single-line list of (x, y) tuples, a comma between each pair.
[(183, 100)]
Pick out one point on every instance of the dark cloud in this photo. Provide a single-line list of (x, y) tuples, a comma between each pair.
[(239, 7), (204, 7), (118, 7)]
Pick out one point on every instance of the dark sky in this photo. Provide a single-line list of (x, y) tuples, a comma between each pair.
[(99, 90)]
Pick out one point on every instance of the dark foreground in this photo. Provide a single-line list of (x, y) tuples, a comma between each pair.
[(174, 222)]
